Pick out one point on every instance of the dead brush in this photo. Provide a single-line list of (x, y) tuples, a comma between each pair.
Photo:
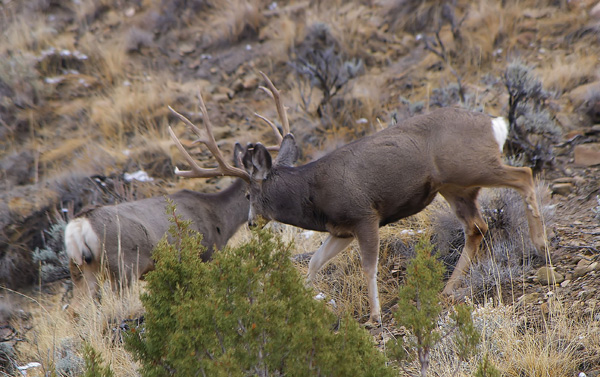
[(414, 16), (321, 62)]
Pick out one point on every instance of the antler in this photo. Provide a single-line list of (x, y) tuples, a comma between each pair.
[(224, 169), (285, 125)]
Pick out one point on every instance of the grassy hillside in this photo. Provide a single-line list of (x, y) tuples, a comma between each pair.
[(84, 90)]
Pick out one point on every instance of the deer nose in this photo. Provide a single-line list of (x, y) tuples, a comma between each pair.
[(257, 221)]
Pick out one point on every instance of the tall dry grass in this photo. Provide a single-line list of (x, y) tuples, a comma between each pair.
[(57, 336), (564, 73)]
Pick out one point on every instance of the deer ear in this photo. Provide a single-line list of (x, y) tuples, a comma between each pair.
[(238, 154), (288, 152), (247, 158), (261, 162)]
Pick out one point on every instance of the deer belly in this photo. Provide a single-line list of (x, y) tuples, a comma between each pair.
[(391, 213)]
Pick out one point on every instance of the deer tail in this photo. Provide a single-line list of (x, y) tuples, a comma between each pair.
[(500, 129), (81, 241)]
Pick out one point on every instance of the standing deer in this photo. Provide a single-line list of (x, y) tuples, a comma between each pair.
[(122, 237), (379, 179)]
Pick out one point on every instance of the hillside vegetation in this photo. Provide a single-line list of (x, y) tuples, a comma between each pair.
[(84, 90)]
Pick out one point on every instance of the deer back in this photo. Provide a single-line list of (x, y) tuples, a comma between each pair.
[(128, 232)]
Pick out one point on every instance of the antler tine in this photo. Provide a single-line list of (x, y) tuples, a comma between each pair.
[(224, 169), (280, 109), (273, 127)]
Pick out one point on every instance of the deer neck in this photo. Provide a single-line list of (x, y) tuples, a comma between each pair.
[(233, 207), (291, 198)]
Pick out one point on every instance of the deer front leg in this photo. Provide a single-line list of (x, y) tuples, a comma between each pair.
[(464, 204), (329, 249), (368, 240)]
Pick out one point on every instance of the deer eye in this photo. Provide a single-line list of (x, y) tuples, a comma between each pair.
[(248, 195)]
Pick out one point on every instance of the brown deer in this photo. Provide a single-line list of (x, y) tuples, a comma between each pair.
[(387, 176), (121, 237)]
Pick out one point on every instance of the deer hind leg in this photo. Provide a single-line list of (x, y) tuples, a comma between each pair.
[(521, 179), (463, 202), (85, 283), (368, 240), (330, 248)]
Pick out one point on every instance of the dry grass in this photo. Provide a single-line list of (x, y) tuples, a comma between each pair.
[(233, 20), (565, 73), (556, 348), (57, 337), (108, 58), (559, 348), (132, 108), (30, 33)]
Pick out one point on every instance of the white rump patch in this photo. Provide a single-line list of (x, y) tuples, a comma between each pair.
[(79, 238), (500, 128)]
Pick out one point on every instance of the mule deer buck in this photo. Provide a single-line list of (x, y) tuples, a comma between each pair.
[(122, 237), (385, 177)]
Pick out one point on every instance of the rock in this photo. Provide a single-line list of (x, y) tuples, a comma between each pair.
[(220, 97), (186, 48), (595, 12), (567, 121), (583, 268), (237, 85), (563, 189), (130, 12), (583, 93), (530, 298), (548, 276), (16, 169), (225, 90), (250, 81), (587, 154)]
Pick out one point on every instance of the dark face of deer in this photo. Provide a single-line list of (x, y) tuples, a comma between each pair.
[(260, 166)]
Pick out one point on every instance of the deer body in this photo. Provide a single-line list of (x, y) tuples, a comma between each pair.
[(122, 237), (390, 175), (387, 176)]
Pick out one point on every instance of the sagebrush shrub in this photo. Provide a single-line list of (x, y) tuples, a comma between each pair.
[(321, 61), (532, 128), (247, 312)]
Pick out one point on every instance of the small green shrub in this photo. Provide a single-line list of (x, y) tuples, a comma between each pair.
[(94, 363), (486, 368), (419, 307), (419, 310), (245, 313)]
